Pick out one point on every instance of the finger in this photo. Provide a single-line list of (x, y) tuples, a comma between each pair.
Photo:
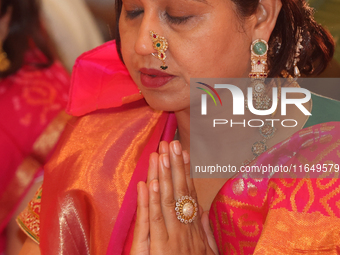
[(209, 233), (164, 147), (178, 170), (153, 167), (167, 192), (141, 232), (190, 181), (158, 231), (200, 210)]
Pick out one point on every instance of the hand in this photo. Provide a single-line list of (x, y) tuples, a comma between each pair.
[(157, 229)]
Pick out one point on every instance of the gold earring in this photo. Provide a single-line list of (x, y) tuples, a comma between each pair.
[(4, 61), (259, 71), (160, 44)]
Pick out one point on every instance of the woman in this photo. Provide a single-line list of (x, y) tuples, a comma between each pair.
[(89, 196), (33, 94)]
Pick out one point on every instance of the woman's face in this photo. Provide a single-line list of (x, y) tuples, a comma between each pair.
[(206, 39)]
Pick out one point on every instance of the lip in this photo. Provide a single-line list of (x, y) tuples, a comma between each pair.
[(152, 78)]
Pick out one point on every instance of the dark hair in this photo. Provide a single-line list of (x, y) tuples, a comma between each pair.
[(119, 5), (25, 30), (295, 18)]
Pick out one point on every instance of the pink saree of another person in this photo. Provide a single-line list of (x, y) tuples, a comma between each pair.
[(32, 103), (89, 197)]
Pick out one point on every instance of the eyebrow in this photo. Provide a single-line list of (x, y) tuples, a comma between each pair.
[(201, 1)]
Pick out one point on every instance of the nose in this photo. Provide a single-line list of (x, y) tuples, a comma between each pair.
[(144, 45)]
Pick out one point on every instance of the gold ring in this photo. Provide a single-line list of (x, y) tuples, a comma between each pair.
[(186, 209)]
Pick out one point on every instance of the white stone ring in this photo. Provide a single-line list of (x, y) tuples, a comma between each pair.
[(186, 209)]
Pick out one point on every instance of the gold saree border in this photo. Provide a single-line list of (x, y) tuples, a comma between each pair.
[(48, 139)]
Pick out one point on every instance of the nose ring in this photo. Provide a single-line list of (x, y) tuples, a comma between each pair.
[(160, 44)]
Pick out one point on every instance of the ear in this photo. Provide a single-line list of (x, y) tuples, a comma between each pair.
[(4, 24), (266, 17)]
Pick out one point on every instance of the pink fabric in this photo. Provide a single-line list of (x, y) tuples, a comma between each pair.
[(106, 68), (29, 100), (248, 200)]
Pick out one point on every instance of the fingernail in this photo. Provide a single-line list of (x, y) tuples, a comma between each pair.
[(161, 147), (186, 157), (166, 160), (155, 186), (177, 148)]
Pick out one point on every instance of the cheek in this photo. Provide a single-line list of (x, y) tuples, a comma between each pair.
[(221, 51), (125, 47), (127, 43)]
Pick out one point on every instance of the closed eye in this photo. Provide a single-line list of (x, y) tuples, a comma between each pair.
[(133, 14), (177, 20)]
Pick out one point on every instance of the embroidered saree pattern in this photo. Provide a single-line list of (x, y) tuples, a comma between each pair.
[(29, 219), (283, 216)]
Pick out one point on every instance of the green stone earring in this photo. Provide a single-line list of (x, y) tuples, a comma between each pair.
[(261, 101), (160, 44), (259, 66), (259, 71)]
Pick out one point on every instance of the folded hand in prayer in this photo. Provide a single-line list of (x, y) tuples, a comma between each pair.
[(158, 229)]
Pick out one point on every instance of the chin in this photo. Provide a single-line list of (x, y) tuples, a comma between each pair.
[(167, 105)]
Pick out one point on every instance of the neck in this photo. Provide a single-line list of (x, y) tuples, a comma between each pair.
[(183, 122)]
